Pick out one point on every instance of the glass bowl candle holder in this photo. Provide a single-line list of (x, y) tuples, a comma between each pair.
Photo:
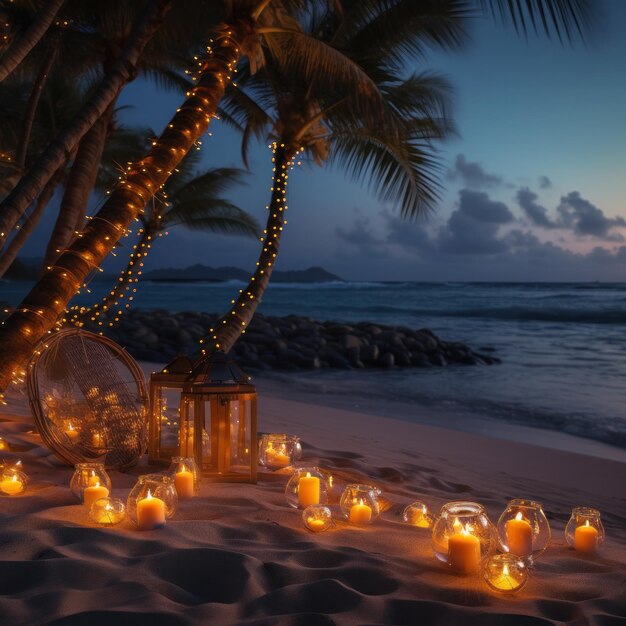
[(523, 529), (417, 514), (463, 536), (505, 573), (186, 476), (277, 451), (13, 480), (107, 511), (317, 517), (306, 486), (359, 504), (90, 476), (584, 530), (152, 501)]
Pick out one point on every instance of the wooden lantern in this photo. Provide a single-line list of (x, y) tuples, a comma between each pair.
[(166, 387), (218, 424)]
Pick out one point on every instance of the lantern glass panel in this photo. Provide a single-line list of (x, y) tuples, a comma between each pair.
[(165, 421)]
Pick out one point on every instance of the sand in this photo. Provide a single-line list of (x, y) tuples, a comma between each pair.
[(238, 554)]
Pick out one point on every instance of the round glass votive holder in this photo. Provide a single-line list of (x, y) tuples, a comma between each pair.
[(523, 529), (13, 480), (90, 476), (417, 514), (277, 451), (186, 476), (584, 530), (359, 504), (152, 501), (107, 511), (306, 486), (463, 536), (317, 518), (505, 573)]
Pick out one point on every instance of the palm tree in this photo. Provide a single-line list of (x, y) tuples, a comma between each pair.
[(191, 200), (26, 41), (249, 28)]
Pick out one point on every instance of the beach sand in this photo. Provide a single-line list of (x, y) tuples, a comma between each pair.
[(238, 554)]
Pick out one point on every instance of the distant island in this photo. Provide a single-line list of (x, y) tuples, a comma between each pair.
[(204, 273)]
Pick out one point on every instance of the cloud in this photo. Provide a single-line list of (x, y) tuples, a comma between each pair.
[(537, 214), (472, 174), (473, 227), (584, 218), (410, 235), (362, 237), (545, 182)]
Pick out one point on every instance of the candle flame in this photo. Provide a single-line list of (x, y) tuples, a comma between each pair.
[(183, 468), (587, 523), (519, 516), (308, 474), (70, 427), (14, 479), (93, 473), (97, 483), (149, 496), (361, 502), (457, 525), (423, 509), (108, 507), (505, 569), (330, 481)]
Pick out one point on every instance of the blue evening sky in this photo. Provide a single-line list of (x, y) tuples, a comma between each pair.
[(526, 109)]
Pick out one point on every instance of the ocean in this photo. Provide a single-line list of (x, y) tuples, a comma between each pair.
[(563, 346)]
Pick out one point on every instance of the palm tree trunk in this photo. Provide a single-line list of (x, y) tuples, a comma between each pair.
[(130, 276), (31, 184), (43, 307), (79, 184), (37, 29), (233, 324), (15, 245)]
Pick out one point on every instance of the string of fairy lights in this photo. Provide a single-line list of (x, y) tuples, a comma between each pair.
[(141, 191)]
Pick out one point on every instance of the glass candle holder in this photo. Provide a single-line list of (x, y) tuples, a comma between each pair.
[(359, 504), (107, 511), (13, 480), (277, 451), (306, 486), (152, 501), (505, 573), (584, 530), (317, 517), (89, 482), (417, 514), (186, 476), (463, 536), (523, 529)]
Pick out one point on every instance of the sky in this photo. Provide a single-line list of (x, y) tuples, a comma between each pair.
[(533, 187)]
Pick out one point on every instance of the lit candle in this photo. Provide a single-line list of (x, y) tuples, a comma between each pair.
[(150, 512), (308, 490), (93, 480), (183, 481), (109, 516), (12, 486), (505, 581), (97, 440), (360, 513), (315, 524), (279, 458), (586, 538), (93, 493), (464, 550), (418, 517), (72, 433), (4, 445), (519, 536)]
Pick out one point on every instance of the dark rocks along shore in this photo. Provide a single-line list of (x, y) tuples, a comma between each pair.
[(293, 343)]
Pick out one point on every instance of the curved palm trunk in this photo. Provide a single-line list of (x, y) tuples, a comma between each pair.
[(18, 51), (233, 324), (80, 182), (44, 305), (83, 315), (15, 245), (31, 184)]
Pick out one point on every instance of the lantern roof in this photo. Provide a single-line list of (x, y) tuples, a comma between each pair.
[(177, 370), (219, 368)]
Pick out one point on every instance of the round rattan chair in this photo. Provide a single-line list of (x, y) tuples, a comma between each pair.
[(89, 399)]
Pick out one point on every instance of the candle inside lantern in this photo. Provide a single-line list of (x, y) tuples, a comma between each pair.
[(279, 458), (519, 536), (71, 433), (316, 525), (308, 490), (94, 492), (419, 518), (360, 513), (505, 581), (150, 512), (97, 440), (4, 445), (93, 480), (109, 515), (586, 538), (183, 481), (12, 485), (463, 550)]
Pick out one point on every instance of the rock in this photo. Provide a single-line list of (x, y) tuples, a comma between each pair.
[(370, 354), (351, 341), (436, 358), (386, 359)]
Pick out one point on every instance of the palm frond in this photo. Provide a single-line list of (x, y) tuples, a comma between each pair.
[(214, 215)]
